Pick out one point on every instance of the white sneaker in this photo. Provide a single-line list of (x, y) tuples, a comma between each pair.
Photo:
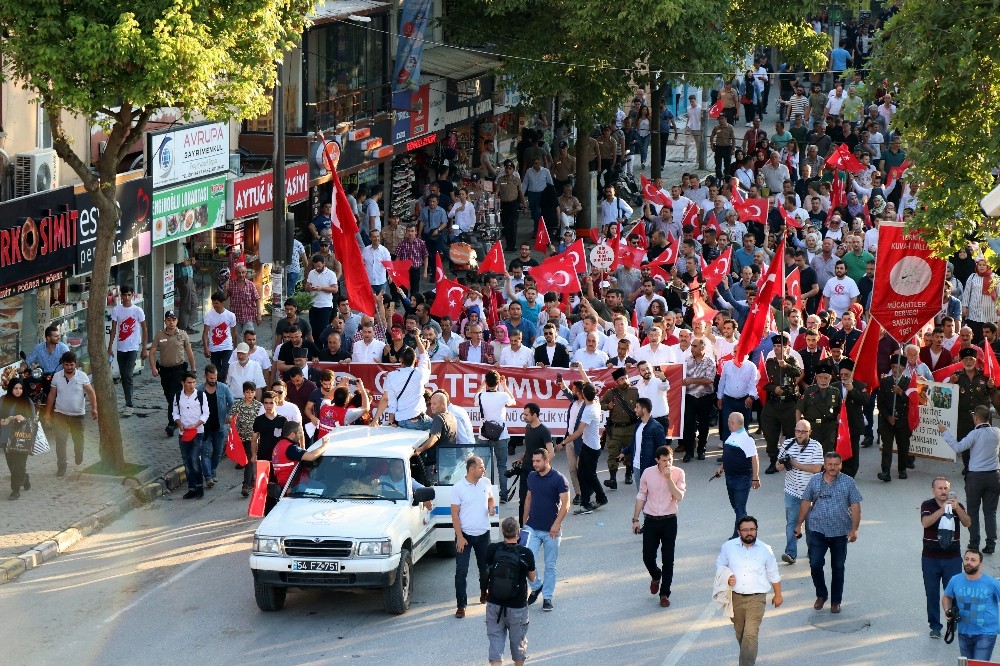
[(127, 411), (749, 125)]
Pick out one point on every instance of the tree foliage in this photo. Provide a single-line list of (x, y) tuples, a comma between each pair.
[(115, 63), (946, 59)]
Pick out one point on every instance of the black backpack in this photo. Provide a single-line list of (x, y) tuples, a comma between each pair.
[(506, 582)]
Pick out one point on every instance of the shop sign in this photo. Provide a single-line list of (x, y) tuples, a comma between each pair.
[(353, 154), (469, 99), (420, 143), (193, 151), (467, 112), (38, 240), (255, 194), (133, 237), (188, 209), (419, 112)]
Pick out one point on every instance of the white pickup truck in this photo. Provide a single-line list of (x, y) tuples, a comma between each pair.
[(353, 519)]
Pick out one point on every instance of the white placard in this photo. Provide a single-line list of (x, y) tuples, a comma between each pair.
[(602, 256), (188, 153)]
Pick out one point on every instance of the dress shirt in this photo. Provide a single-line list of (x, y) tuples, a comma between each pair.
[(831, 511), (591, 361), (188, 410), (373, 258), (654, 491), (465, 436), (522, 358), (982, 307), (661, 355), (48, 362), (475, 354), (612, 211), (755, 568), (535, 181), (251, 372), (983, 445), (738, 381), (370, 352), (703, 369), (409, 403), (656, 390)]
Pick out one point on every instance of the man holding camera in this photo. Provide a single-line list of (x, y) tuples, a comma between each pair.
[(800, 457), (941, 559), (971, 601)]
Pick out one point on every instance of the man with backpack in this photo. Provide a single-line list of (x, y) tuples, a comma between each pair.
[(190, 412), (511, 567), (472, 504)]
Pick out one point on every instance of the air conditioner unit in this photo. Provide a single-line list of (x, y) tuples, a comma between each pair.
[(35, 171)]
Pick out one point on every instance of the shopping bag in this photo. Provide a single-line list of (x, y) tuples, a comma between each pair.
[(41, 441)]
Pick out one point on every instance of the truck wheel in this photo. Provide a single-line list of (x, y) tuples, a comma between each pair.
[(269, 598), (396, 597), (446, 549)]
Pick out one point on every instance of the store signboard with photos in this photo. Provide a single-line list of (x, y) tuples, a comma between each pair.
[(188, 209)]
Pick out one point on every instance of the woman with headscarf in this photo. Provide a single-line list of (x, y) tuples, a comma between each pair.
[(17, 428), (500, 339)]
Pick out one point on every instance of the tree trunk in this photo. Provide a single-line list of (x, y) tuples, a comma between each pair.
[(656, 98), (583, 192)]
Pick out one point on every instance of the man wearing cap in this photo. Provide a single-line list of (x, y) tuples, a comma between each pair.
[(245, 370), (855, 394), (176, 358), (820, 405), (974, 389), (893, 417), (982, 483), (836, 355), (620, 429), (777, 418)]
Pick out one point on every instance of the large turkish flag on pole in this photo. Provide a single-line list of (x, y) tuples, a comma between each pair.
[(449, 299), (348, 252), (262, 472), (865, 356), (757, 321), (909, 281)]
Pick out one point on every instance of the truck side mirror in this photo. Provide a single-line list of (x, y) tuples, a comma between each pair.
[(421, 495)]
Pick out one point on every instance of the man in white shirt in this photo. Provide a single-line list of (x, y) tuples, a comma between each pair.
[(643, 301), (610, 346), (726, 343), (367, 349), (655, 353), (840, 291), (128, 337), (245, 370), (448, 337), (472, 504), (322, 283), (373, 256), (654, 386), (682, 350), (492, 399), (517, 355), (256, 353), (736, 393), (190, 412), (613, 209), (590, 325), (403, 393), (66, 408), (590, 358)]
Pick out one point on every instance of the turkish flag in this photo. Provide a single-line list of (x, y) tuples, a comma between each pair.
[(575, 255), (992, 369), (844, 434), (542, 241), (715, 110), (257, 500), (753, 209), (711, 223), (556, 275), (790, 220), (838, 197), (399, 272), (793, 287), (896, 172), (843, 159), (734, 191), (633, 257), (757, 320), (669, 256), (722, 361), (762, 380), (493, 261), (716, 271), (448, 299), (865, 356), (594, 235), (439, 269), (867, 214), (692, 217), (635, 320), (345, 247), (653, 195), (913, 407), (702, 311), (945, 373), (640, 230), (234, 445), (659, 272)]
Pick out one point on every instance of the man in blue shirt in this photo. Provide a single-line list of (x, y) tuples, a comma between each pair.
[(975, 596), (832, 502), (839, 57), (434, 228), (47, 354), (546, 506)]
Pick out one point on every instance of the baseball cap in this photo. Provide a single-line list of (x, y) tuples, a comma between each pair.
[(243, 348), (169, 314), (563, 144)]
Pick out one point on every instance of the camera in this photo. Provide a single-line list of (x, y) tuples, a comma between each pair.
[(786, 461), (953, 615), (514, 470), (990, 204)]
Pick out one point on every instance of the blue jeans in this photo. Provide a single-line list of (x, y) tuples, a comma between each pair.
[(543, 540), (291, 280), (478, 544), (792, 504), (819, 543), (739, 492), (126, 366), (191, 454), (978, 646), (642, 146), (937, 573), (500, 455), (534, 205), (215, 444), (422, 422), (730, 405)]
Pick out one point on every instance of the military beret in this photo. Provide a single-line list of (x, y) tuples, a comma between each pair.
[(779, 338)]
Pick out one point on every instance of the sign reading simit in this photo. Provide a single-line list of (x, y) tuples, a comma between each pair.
[(38, 238)]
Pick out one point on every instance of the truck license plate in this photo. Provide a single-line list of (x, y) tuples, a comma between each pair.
[(312, 565)]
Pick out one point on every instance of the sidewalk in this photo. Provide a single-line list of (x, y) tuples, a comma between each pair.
[(53, 504)]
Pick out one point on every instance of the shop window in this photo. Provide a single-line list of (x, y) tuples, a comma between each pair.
[(347, 71), (291, 81), (44, 138)]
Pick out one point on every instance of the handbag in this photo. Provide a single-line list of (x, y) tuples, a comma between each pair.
[(41, 441), (746, 100), (489, 430), (21, 438)]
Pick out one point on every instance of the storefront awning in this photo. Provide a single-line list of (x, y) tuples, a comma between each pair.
[(332, 10), (456, 64)]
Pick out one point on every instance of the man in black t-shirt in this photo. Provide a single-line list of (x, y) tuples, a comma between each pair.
[(509, 618), (536, 436), (267, 428), (288, 352), (444, 426), (939, 564)]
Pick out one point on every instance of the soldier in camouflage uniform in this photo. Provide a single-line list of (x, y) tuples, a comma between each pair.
[(777, 418), (820, 405), (974, 389), (620, 428)]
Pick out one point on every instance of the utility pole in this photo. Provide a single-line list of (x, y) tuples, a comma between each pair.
[(281, 230)]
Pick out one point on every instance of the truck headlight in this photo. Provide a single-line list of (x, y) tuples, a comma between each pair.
[(266, 545), (381, 548)]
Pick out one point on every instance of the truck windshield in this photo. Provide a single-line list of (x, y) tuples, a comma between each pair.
[(345, 477), (447, 464)]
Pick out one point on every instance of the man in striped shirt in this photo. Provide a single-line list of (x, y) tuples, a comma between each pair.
[(415, 250), (979, 300)]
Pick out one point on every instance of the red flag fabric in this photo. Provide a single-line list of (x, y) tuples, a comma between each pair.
[(716, 271), (734, 191), (594, 235), (633, 257), (844, 159), (653, 195), (556, 275), (945, 373), (793, 287), (691, 217), (259, 497), (715, 110), (896, 172), (992, 369), (838, 197), (722, 361), (449, 299), (669, 256), (711, 223), (640, 230), (575, 254), (635, 320), (659, 272), (789, 219), (757, 320), (399, 272), (753, 209), (542, 241), (702, 310), (439, 270), (493, 261), (844, 434), (234, 445), (867, 214), (762, 379), (913, 407), (348, 252)]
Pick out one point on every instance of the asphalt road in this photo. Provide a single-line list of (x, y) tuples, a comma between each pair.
[(170, 582)]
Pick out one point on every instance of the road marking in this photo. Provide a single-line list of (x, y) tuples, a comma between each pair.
[(682, 646), (173, 579)]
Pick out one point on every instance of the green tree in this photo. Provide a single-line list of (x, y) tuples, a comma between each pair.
[(115, 63), (946, 59)]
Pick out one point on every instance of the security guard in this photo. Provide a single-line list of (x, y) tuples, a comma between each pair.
[(820, 405), (974, 389), (778, 415), (511, 202), (174, 346), (893, 417), (620, 428), (856, 395)]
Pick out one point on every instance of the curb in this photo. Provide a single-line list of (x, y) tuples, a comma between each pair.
[(50, 549)]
